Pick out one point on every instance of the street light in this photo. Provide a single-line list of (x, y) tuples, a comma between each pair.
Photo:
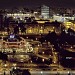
[(41, 72), (43, 60), (5, 65)]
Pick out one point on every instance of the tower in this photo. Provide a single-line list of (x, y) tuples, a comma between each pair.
[(45, 12)]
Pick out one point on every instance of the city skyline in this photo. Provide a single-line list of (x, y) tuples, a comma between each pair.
[(37, 41)]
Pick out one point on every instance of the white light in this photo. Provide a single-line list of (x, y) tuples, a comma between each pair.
[(22, 14), (35, 12), (68, 72), (31, 61), (21, 19), (14, 17), (71, 47), (36, 38), (68, 57), (14, 67), (55, 53), (38, 45), (22, 56), (20, 44), (24, 45), (14, 64), (41, 72), (54, 62), (20, 11), (43, 60), (15, 14), (28, 14), (5, 65), (21, 60), (43, 52), (9, 14), (27, 37)]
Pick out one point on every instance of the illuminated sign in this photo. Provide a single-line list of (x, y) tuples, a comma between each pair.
[(12, 36)]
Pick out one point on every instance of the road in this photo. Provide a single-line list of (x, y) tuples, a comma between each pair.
[(40, 72)]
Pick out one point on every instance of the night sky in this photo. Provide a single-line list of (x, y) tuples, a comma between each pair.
[(35, 3)]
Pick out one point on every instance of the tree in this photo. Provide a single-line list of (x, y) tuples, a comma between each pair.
[(26, 72)]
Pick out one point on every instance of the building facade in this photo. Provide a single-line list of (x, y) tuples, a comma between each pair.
[(45, 12)]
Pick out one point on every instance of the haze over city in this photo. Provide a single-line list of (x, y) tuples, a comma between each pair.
[(35, 3)]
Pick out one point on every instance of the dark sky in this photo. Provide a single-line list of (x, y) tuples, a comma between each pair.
[(35, 3)]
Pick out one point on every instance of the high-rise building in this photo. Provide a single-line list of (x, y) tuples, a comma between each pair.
[(45, 12)]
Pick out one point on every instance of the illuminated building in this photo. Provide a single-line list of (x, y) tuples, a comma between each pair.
[(16, 45), (14, 41), (45, 12), (62, 18), (19, 15)]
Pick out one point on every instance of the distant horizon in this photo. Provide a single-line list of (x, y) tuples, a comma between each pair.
[(6, 4), (35, 7)]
